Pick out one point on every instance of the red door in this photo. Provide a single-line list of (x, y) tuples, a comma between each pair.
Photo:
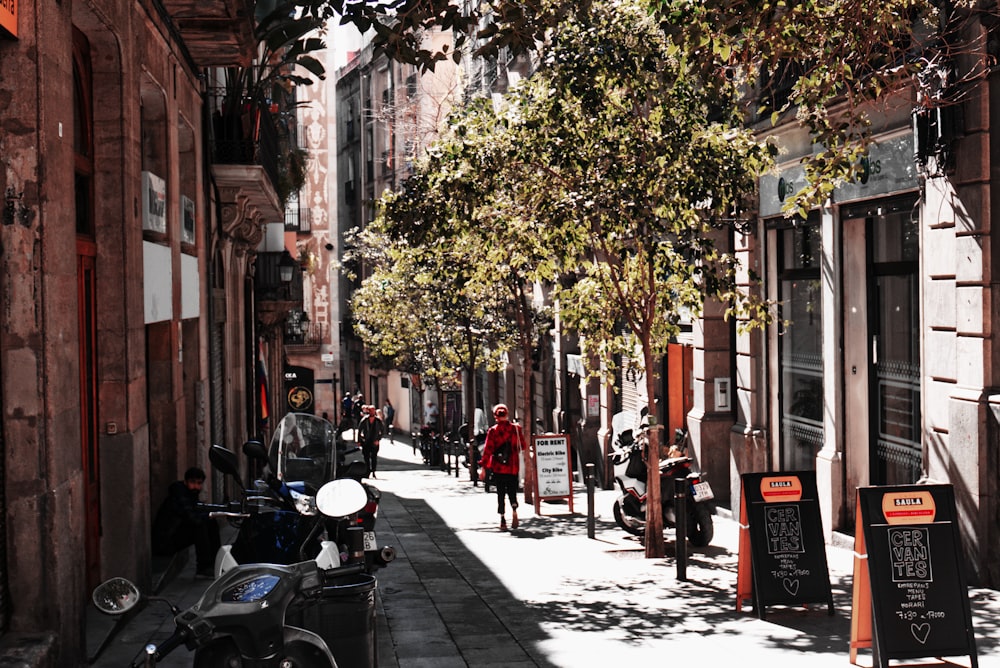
[(680, 398), (88, 407)]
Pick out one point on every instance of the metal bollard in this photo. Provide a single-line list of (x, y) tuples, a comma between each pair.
[(589, 476), (680, 540), (473, 464)]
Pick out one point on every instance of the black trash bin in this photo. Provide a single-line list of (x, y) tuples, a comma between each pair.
[(345, 618)]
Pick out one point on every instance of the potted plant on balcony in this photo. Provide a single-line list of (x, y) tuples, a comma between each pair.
[(255, 112)]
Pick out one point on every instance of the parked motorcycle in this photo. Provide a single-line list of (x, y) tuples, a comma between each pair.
[(243, 618), (631, 474), (430, 446), (277, 519)]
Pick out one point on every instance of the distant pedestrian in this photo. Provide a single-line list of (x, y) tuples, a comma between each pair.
[(346, 406), (388, 414), (357, 407), (370, 432), (431, 415), (502, 457)]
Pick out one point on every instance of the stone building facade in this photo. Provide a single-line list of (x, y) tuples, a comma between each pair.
[(882, 367), (124, 291)]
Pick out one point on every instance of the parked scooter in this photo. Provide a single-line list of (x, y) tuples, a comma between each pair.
[(243, 618), (277, 519), (430, 446), (630, 474)]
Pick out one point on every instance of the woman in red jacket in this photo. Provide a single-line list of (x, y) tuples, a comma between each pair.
[(502, 456)]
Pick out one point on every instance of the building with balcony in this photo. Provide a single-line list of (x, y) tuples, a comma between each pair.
[(127, 343)]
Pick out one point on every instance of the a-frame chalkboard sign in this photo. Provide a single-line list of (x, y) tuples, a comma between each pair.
[(782, 554), (553, 469), (909, 582)]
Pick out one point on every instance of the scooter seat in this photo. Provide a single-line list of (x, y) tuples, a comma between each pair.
[(673, 461)]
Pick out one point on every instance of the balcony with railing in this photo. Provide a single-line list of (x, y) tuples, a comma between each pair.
[(302, 334), (277, 287), (244, 133), (244, 152)]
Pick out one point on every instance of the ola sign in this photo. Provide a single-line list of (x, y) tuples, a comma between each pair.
[(300, 389)]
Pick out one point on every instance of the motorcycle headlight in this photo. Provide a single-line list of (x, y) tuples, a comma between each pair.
[(304, 504)]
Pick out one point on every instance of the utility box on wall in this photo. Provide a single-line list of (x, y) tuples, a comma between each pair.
[(722, 392)]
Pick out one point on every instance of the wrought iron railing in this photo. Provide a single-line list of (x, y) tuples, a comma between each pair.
[(245, 135)]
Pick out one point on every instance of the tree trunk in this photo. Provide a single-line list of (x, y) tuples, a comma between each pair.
[(529, 406), (654, 514), (526, 334), (470, 410)]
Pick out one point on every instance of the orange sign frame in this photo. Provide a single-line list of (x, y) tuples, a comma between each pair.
[(8, 16)]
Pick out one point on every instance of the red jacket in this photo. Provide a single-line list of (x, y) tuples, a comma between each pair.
[(497, 434)]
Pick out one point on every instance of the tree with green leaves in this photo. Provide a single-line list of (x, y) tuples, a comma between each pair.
[(829, 65), (458, 205), (418, 310), (632, 186), (826, 64)]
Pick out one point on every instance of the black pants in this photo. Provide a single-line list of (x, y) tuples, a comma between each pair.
[(204, 536), (506, 484), (370, 452)]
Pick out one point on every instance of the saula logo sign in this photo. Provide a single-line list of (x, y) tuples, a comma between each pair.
[(916, 507), (8, 17), (781, 488)]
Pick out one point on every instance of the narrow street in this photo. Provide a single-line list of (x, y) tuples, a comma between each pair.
[(463, 593)]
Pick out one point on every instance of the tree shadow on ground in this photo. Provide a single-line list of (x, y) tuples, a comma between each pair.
[(615, 605)]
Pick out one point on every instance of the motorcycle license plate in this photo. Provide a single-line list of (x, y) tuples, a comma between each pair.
[(703, 492), (370, 545)]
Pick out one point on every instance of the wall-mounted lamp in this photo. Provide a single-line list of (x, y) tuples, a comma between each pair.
[(286, 267)]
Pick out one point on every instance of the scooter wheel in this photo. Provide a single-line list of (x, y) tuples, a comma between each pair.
[(700, 527), (632, 525)]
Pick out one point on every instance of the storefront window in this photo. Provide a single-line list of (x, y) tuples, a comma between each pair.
[(799, 345)]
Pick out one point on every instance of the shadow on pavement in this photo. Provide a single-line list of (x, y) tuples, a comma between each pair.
[(703, 606)]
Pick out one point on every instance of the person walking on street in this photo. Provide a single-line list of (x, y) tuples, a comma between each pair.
[(388, 413), (502, 457), (370, 432), (357, 407), (346, 406), (431, 415)]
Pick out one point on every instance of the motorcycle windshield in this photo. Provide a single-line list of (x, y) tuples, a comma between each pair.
[(302, 450)]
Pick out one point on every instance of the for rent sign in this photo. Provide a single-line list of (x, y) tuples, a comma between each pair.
[(8, 17), (553, 468)]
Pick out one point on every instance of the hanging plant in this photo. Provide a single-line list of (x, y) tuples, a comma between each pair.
[(292, 173)]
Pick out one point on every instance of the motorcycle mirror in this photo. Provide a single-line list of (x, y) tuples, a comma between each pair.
[(116, 596), (342, 497), (255, 450), (224, 459)]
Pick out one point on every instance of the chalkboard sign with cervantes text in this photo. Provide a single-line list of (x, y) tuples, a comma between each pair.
[(910, 599), (782, 553)]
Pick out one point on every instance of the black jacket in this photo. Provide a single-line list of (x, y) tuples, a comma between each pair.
[(179, 510)]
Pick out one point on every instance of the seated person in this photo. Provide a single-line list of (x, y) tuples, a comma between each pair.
[(180, 523)]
